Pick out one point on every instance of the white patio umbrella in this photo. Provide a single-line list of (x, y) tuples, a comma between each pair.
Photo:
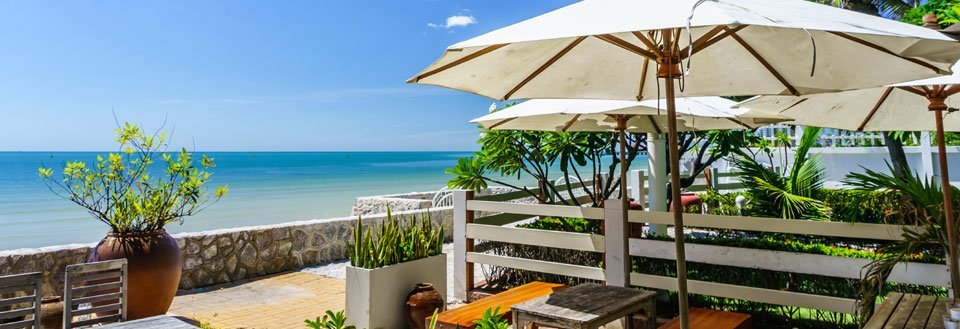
[(595, 115), (633, 49), (897, 107), (695, 113)]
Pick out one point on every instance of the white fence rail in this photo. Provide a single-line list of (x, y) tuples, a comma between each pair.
[(466, 231)]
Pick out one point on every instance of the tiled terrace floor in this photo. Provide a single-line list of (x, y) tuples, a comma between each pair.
[(278, 301)]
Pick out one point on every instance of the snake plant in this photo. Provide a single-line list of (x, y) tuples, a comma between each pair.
[(394, 241)]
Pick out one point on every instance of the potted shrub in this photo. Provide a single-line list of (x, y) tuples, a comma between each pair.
[(136, 200), (387, 261)]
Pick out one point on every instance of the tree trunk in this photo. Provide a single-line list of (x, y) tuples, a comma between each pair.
[(897, 157)]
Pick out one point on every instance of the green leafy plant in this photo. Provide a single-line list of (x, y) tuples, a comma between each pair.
[(787, 194), (122, 191), (492, 319), (394, 241), (923, 207), (330, 320), (947, 11)]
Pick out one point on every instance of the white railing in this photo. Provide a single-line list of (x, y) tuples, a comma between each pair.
[(468, 229)]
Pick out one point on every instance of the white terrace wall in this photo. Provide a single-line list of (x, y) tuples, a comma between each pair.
[(367, 205), (227, 255)]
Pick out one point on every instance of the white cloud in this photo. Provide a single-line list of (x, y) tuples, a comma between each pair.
[(454, 21), (460, 21)]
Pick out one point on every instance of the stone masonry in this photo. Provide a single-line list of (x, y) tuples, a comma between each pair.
[(222, 256)]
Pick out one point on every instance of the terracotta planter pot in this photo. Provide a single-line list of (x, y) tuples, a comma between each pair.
[(51, 312), (421, 302), (153, 269)]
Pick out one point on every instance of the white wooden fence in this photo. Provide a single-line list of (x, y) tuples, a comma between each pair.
[(468, 229)]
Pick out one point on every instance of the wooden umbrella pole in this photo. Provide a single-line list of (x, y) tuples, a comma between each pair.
[(668, 76), (621, 130), (948, 205)]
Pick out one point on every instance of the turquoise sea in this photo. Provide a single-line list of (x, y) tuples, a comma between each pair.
[(265, 188)]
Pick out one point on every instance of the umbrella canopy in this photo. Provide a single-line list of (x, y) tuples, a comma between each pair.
[(697, 113), (632, 50), (609, 49), (898, 107)]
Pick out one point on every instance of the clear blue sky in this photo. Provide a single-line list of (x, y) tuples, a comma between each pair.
[(240, 75)]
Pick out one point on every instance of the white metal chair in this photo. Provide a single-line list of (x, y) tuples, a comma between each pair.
[(23, 311), (102, 286)]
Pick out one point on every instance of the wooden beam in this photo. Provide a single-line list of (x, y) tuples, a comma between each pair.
[(459, 61), (886, 51), (883, 98), (544, 67), (951, 90), (627, 46), (770, 68)]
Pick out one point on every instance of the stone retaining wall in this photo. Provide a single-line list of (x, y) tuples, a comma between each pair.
[(227, 255)]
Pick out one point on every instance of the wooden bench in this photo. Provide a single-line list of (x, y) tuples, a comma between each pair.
[(702, 318), (464, 316), (910, 311)]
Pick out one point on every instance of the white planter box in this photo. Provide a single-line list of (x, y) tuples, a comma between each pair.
[(376, 299)]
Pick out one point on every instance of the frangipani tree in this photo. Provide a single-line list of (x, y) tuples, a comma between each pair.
[(121, 190)]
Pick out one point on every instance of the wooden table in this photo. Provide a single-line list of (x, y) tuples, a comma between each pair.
[(587, 306), (464, 316), (156, 322), (909, 311)]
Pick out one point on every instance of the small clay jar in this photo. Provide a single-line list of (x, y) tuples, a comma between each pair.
[(51, 312), (421, 303)]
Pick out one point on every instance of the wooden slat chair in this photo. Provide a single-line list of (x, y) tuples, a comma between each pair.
[(102, 285), (14, 311)]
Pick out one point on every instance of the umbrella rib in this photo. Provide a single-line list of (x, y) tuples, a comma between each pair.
[(883, 98), (462, 60), (914, 90), (886, 51), (500, 123), (653, 123), (643, 78), (649, 43), (770, 68), (708, 39), (570, 123), (544, 67), (952, 89), (627, 46)]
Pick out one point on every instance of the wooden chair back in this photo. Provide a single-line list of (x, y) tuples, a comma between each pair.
[(23, 311), (102, 286)]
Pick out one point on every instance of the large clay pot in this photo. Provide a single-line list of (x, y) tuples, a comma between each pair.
[(51, 312), (153, 269), (421, 302)]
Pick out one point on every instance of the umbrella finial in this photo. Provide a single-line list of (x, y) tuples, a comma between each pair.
[(930, 21)]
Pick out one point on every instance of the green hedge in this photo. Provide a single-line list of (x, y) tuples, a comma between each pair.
[(765, 315)]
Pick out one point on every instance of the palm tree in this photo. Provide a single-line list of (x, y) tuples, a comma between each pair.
[(787, 194)]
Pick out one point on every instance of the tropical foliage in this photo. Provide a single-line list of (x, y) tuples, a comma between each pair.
[(947, 11), (492, 319), (330, 320), (121, 190), (394, 241), (787, 191), (923, 204)]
